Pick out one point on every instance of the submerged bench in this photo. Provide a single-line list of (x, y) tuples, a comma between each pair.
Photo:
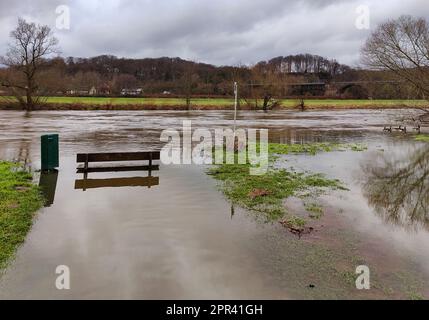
[(87, 158)]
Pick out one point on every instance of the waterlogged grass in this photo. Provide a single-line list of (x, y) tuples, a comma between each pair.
[(414, 295), (266, 193), (315, 210), (335, 261), (423, 138), (312, 148), (19, 199), (362, 103)]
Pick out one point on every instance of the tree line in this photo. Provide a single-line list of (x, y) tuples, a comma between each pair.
[(109, 74)]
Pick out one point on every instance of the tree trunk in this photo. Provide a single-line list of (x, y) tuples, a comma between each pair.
[(267, 99), (30, 103), (302, 105), (188, 102)]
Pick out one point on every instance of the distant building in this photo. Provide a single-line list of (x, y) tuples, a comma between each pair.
[(92, 91), (166, 93), (78, 92), (131, 92)]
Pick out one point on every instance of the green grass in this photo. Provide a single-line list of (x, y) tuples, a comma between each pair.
[(277, 184), (226, 102), (312, 148), (265, 193), (423, 138), (360, 103), (137, 101), (315, 210), (412, 294), (19, 199)]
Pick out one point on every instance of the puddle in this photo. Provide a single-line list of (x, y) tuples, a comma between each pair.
[(172, 235)]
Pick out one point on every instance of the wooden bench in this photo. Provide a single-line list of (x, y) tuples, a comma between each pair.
[(86, 158)]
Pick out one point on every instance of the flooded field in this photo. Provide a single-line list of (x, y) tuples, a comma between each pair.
[(181, 239)]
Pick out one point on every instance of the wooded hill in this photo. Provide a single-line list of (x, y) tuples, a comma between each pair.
[(107, 75)]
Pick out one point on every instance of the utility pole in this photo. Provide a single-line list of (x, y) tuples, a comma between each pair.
[(235, 105)]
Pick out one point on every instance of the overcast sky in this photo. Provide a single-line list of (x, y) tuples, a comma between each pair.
[(216, 31)]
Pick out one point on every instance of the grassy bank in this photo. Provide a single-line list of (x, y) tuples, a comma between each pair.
[(123, 103), (19, 199), (265, 194)]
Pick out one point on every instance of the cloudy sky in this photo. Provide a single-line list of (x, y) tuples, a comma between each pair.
[(218, 32)]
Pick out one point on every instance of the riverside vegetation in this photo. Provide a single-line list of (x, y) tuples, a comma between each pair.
[(265, 194), (19, 200)]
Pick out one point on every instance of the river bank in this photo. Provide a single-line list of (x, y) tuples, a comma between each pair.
[(19, 200)]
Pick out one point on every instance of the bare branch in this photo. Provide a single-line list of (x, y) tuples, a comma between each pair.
[(31, 45), (401, 46)]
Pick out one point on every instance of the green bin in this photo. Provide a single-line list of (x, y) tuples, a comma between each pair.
[(50, 152)]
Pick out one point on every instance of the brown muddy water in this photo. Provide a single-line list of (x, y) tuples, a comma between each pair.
[(181, 239)]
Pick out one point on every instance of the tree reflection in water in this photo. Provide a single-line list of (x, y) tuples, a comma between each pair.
[(397, 187)]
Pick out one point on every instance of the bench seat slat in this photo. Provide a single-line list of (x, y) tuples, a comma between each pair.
[(117, 169)]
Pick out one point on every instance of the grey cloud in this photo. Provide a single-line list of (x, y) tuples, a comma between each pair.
[(218, 32)]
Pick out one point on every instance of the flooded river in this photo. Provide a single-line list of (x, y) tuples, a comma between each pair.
[(181, 239)]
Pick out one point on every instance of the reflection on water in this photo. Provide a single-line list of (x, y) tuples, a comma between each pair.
[(116, 182), (397, 187), (48, 184), (148, 181)]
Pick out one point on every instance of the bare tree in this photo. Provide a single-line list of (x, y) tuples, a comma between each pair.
[(189, 80), (401, 46), (265, 84), (26, 55), (123, 81)]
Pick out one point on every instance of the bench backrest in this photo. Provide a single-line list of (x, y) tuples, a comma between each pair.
[(117, 156)]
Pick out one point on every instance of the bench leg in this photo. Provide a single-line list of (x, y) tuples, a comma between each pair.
[(85, 171), (86, 164), (150, 165)]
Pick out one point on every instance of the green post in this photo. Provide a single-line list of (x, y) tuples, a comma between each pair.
[(49, 152)]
